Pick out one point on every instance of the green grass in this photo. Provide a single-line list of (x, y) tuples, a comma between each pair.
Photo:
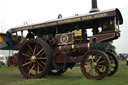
[(12, 76)]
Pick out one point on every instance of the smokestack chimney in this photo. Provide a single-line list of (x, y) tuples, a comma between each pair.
[(94, 6)]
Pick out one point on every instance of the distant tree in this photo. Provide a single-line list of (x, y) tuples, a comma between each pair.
[(110, 47)]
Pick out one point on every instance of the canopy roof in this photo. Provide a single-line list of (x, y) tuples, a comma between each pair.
[(80, 18)]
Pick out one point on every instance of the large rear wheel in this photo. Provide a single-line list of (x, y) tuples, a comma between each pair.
[(34, 58), (95, 64)]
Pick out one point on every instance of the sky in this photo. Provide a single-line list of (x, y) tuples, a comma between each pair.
[(14, 13)]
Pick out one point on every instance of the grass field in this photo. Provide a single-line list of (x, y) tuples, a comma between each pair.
[(12, 76)]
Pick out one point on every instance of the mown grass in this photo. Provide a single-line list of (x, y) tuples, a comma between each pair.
[(12, 76)]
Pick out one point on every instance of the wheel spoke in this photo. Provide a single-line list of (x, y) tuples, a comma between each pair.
[(101, 66), (42, 58), (30, 48), (40, 65), (29, 66), (101, 62), (38, 69), (27, 63), (28, 59), (98, 59), (26, 55), (93, 74), (30, 71), (90, 70), (40, 52), (43, 63), (43, 53), (34, 50)]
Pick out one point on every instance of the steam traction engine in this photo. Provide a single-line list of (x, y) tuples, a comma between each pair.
[(60, 44)]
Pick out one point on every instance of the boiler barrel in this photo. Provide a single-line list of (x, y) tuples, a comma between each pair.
[(77, 48)]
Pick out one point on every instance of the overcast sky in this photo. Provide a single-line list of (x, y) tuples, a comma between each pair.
[(14, 13)]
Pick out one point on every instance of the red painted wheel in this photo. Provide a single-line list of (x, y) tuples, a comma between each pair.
[(95, 64), (34, 59)]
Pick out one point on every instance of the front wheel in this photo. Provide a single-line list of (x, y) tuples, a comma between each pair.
[(95, 64)]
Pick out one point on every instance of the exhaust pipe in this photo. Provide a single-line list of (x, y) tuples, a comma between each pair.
[(94, 6)]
